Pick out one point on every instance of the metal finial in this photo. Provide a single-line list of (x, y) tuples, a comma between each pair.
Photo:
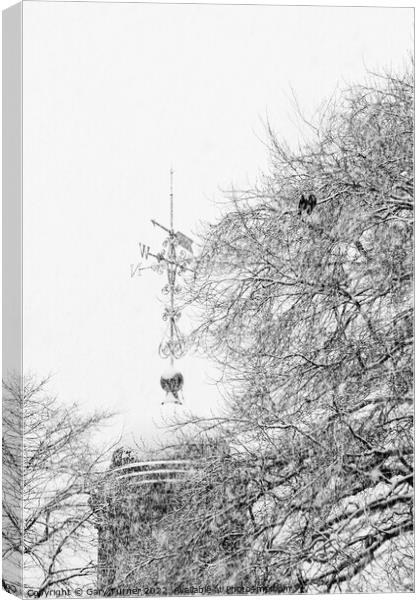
[(174, 259)]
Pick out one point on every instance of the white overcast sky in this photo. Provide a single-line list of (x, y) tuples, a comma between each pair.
[(113, 95)]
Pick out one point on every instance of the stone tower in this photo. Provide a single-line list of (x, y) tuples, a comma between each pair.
[(129, 503)]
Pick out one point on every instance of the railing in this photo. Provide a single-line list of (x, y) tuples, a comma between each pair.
[(154, 471)]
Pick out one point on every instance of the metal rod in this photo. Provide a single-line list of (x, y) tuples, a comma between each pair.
[(154, 472), (161, 226), (172, 256), (149, 481), (171, 195), (166, 260), (152, 463)]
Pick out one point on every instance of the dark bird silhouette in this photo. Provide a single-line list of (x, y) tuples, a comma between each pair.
[(302, 204), (307, 204), (311, 203)]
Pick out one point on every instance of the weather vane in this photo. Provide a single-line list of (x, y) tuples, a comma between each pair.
[(174, 259)]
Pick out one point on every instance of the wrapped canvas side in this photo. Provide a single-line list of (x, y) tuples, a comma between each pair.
[(12, 575)]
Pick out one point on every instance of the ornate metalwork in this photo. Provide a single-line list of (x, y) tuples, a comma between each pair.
[(173, 344), (175, 259)]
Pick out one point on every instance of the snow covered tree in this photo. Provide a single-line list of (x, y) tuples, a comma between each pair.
[(305, 482), (310, 317), (47, 520)]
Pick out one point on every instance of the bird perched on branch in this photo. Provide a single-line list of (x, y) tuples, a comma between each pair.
[(307, 204)]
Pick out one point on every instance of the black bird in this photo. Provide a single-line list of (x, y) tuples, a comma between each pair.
[(307, 204), (311, 203), (302, 204)]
